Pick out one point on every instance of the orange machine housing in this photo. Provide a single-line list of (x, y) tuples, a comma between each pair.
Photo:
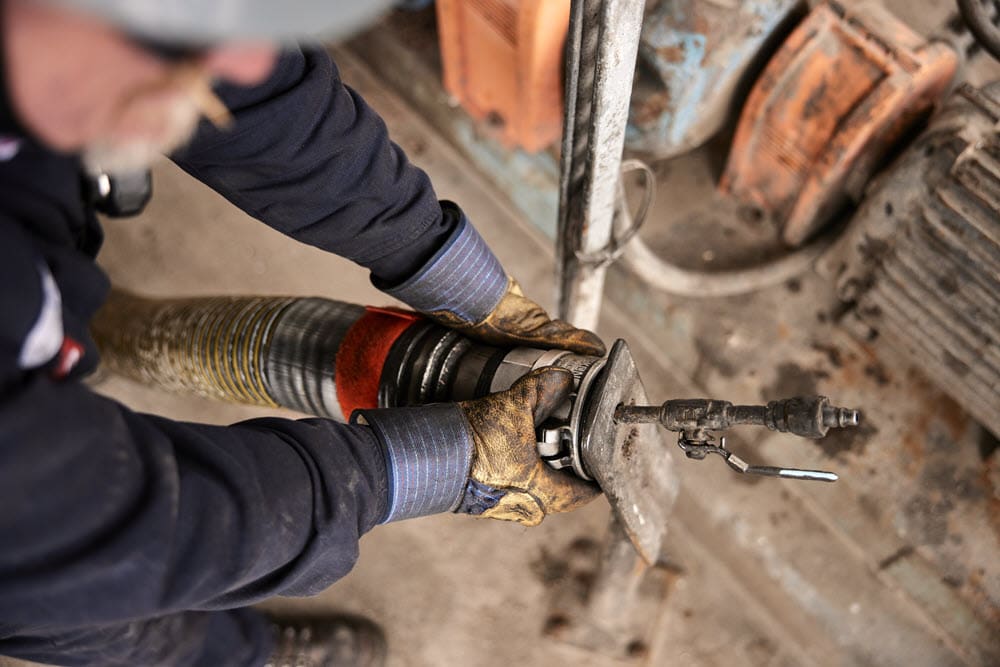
[(502, 61), (833, 101)]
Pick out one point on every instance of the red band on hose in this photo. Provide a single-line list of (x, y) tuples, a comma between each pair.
[(363, 353)]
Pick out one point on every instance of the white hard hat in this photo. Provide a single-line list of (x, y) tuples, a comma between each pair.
[(207, 21)]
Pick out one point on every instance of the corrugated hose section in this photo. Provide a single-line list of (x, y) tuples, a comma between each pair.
[(266, 351)]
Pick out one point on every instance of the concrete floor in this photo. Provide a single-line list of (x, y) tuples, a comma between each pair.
[(453, 590)]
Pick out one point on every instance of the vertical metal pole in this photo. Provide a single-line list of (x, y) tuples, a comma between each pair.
[(601, 50), (602, 45)]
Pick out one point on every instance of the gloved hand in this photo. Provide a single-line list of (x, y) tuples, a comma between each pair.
[(517, 320), (508, 480)]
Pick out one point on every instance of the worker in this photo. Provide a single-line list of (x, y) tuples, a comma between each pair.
[(132, 539)]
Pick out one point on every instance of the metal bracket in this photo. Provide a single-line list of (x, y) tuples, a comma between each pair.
[(699, 444), (626, 225)]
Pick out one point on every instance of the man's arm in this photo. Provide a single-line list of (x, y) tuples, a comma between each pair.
[(142, 515), (307, 156)]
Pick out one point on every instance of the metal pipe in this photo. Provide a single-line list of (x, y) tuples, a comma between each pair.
[(982, 23), (603, 44)]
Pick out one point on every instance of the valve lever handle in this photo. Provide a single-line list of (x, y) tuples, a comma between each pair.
[(695, 419)]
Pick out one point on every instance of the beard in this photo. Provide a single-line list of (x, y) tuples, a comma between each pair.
[(178, 121), (155, 121)]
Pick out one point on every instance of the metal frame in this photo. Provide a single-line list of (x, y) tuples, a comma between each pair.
[(601, 51)]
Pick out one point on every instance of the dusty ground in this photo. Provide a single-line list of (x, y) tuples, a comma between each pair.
[(773, 576)]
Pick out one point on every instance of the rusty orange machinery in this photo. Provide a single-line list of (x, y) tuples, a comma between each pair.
[(831, 104), (502, 61)]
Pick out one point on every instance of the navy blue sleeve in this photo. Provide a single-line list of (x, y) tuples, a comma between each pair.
[(110, 515), (307, 156)]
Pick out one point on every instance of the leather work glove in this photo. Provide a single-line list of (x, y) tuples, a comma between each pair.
[(517, 320), (508, 480)]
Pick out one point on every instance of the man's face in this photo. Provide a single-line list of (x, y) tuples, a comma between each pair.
[(79, 84)]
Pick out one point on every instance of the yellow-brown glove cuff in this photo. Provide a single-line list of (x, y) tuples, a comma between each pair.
[(517, 320)]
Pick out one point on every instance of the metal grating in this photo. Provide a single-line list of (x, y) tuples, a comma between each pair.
[(920, 262)]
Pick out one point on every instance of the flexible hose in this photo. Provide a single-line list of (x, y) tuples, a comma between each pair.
[(981, 24), (190, 344), (267, 351), (670, 278), (702, 284)]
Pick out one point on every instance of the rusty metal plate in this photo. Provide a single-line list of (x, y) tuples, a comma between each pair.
[(835, 99), (694, 54), (631, 462)]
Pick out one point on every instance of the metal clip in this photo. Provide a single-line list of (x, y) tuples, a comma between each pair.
[(555, 446), (699, 444), (625, 225)]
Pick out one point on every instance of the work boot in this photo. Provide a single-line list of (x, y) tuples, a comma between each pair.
[(327, 641)]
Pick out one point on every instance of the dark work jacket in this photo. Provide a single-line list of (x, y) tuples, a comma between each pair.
[(110, 515)]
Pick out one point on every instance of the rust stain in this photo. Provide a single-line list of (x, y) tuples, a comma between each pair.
[(878, 374), (701, 24), (991, 482), (671, 54), (628, 447), (939, 404), (932, 407), (913, 446), (853, 371), (651, 108), (981, 600)]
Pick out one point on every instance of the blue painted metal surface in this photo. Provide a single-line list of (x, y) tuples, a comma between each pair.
[(693, 55), (529, 179)]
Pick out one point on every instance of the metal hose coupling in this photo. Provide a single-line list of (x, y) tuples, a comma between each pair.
[(807, 416)]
